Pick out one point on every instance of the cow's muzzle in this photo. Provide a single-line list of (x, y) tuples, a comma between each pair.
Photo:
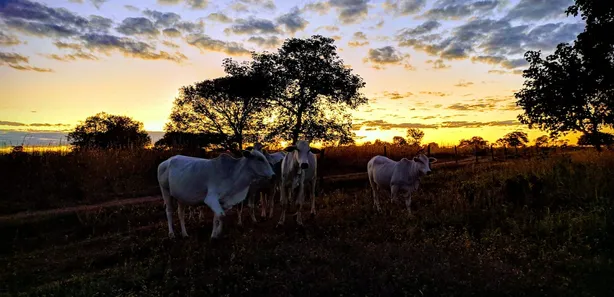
[(304, 165)]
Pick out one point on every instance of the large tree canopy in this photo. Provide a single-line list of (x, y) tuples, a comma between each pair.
[(310, 90), (572, 90), (109, 131)]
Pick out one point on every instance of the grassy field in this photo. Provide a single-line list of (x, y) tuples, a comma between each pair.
[(538, 227)]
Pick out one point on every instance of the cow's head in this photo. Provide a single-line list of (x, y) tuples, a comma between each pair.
[(301, 152), (424, 163), (258, 164)]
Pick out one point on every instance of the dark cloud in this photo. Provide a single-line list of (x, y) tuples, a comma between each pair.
[(138, 26), (350, 11), (267, 42), (219, 17), (100, 24), (458, 9), (72, 57), (15, 124), (396, 95), (30, 68), (546, 37), (293, 21), (98, 3), (12, 58), (162, 19), (455, 52), (253, 25), (321, 8), (463, 84), (532, 10), (206, 43), (131, 8), (359, 36), (105, 43), (171, 32), (404, 7), (438, 64), (64, 45), (328, 28), (383, 125), (473, 107), (8, 40), (379, 25), (387, 55), (438, 94), (268, 4), (500, 60), (41, 29), (421, 29), (495, 71), (466, 124)]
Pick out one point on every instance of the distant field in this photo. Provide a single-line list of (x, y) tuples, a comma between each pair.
[(525, 227)]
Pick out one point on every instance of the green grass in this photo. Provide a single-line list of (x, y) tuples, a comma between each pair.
[(522, 228)]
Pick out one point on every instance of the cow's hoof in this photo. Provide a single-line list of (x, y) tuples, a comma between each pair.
[(185, 235), (171, 235)]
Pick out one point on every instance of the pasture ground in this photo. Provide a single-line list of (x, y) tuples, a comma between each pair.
[(522, 228)]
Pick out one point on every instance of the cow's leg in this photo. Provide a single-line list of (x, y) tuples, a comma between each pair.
[(263, 205), (166, 195), (284, 203), (240, 215), (374, 191), (217, 226), (201, 213), (300, 200), (408, 203), (181, 212), (251, 205), (312, 193), (272, 198), (212, 200)]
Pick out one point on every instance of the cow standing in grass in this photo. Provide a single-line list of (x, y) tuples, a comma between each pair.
[(298, 173), (220, 183), (266, 188), (400, 178)]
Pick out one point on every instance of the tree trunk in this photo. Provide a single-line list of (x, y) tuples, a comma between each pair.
[(297, 128)]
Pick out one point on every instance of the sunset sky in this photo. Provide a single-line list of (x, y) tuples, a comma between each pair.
[(449, 67)]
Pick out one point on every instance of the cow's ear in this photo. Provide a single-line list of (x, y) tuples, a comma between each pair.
[(432, 160), (290, 148), (247, 154), (314, 150)]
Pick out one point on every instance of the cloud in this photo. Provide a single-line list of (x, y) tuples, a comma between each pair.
[(466, 124), (484, 104), (328, 28), (350, 11), (41, 29), (8, 40), (98, 3), (495, 71), (321, 8), (72, 57), (162, 19), (193, 4), (386, 55), (463, 84), (531, 10), (500, 60), (357, 43), (253, 25), (12, 58), (138, 26), (438, 64), (404, 7), (219, 17), (438, 94), (239, 7), (293, 21), (268, 4), (131, 8), (17, 124), (267, 42), (64, 45), (171, 32), (30, 68), (421, 29), (206, 43), (100, 24), (396, 95), (106, 44), (473, 107), (359, 36), (170, 44), (458, 9), (383, 125)]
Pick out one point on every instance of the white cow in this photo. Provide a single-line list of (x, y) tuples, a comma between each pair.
[(220, 183), (298, 170), (266, 188), (400, 178)]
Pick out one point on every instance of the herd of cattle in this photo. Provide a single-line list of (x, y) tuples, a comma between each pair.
[(225, 181)]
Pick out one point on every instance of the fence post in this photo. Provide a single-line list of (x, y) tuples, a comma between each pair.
[(492, 153), (504, 152), (321, 176), (455, 155), (475, 152), (428, 150), (385, 154)]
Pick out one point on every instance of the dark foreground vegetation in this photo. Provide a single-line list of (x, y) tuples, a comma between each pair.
[(521, 228)]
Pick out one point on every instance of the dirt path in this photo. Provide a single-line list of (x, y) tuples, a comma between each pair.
[(131, 201)]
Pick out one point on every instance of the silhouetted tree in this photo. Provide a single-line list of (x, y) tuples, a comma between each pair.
[(573, 89), (600, 138), (433, 145), (109, 131), (311, 90), (188, 140), (514, 139), (475, 141), (398, 140), (414, 136), (233, 106), (542, 141)]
